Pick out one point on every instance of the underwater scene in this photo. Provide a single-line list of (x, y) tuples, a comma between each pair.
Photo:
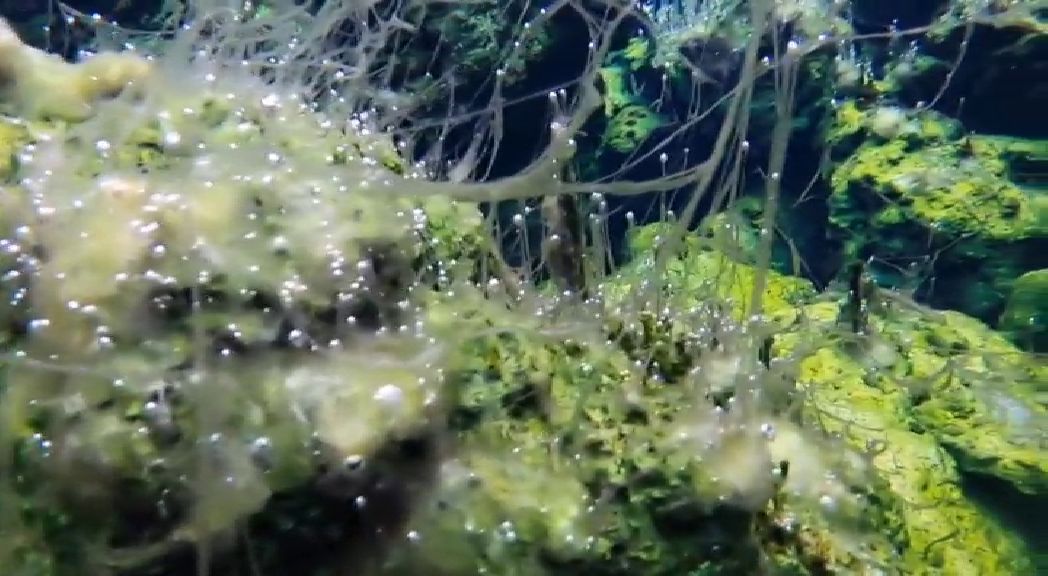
[(523, 287)]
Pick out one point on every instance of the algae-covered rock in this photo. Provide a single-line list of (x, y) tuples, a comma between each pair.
[(935, 397), (140, 471), (718, 260), (610, 471), (629, 118), (38, 84), (943, 531), (911, 188), (630, 127), (504, 508), (13, 137), (925, 401), (1026, 315), (177, 322), (665, 492), (985, 402), (552, 447)]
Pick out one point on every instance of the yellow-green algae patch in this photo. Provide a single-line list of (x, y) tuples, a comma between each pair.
[(856, 395), (986, 404), (41, 85), (933, 187), (716, 264), (910, 184), (13, 136), (1025, 317), (584, 413), (927, 397)]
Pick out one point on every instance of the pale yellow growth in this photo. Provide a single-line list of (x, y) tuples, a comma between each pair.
[(72, 283), (364, 397), (740, 468), (816, 470), (37, 84)]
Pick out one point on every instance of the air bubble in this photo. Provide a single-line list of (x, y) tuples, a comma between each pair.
[(827, 502), (353, 463)]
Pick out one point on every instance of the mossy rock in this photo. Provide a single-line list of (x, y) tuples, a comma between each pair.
[(930, 399), (717, 261), (103, 473), (13, 137), (986, 403), (630, 127), (867, 394), (616, 93), (1026, 315), (911, 189), (653, 505), (922, 428), (966, 385)]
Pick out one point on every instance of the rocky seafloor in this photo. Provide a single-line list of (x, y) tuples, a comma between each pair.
[(238, 423)]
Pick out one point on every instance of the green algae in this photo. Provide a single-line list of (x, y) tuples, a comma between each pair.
[(128, 454), (929, 399), (987, 408), (628, 115), (911, 450), (638, 501), (653, 514), (716, 263), (565, 456), (909, 183), (637, 53), (13, 137), (616, 93), (1026, 315), (630, 127)]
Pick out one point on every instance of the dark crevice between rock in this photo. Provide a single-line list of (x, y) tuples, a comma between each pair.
[(1022, 514)]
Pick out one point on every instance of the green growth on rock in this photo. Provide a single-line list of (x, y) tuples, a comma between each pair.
[(979, 395), (630, 127), (616, 93), (13, 136), (1026, 315), (637, 53), (910, 186), (921, 426), (629, 119), (717, 262)]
